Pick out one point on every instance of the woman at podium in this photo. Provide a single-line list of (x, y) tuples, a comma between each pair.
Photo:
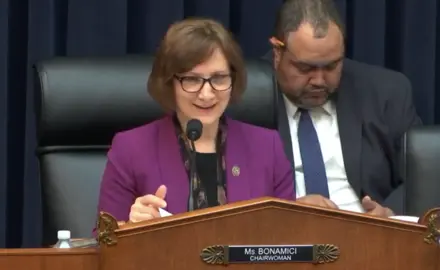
[(195, 157)]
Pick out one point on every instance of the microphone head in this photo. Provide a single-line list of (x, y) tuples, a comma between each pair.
[(194, 129)]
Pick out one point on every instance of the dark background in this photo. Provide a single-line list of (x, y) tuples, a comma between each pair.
[(399, 34)]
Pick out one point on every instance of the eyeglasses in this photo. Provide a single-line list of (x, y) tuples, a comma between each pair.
[(193, 84)]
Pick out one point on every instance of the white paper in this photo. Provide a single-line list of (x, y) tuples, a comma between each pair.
[(406, 218), (164, 213)]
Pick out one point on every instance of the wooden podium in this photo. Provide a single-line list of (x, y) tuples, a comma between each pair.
[(257, 234)]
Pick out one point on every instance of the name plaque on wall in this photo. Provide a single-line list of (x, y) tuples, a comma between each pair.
[(316, 254)]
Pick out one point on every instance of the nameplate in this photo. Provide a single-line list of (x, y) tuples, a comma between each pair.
[(316, 254)]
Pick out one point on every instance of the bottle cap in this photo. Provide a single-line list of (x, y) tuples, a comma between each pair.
[(63, 235)]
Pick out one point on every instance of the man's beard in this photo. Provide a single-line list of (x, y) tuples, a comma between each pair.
[(298, 100)]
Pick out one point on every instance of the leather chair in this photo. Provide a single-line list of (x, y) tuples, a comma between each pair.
[(81, 103), (422, 169)]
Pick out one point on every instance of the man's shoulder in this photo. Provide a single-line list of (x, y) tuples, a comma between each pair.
[(372, 73)]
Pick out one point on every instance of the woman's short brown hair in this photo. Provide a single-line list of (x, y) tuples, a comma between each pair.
[(186, 44)]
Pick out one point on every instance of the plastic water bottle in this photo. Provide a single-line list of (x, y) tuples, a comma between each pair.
[(63, 240)]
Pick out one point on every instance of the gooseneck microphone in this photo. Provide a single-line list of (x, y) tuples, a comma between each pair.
[(193, 132)]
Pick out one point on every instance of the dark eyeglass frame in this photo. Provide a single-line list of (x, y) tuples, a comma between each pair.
[(205, 80)]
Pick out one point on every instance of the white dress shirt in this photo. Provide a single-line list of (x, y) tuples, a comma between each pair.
[(325, 122)]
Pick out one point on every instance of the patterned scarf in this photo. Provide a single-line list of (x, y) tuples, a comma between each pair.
[(199, 193)]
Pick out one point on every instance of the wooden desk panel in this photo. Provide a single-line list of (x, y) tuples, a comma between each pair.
[(49, 259)]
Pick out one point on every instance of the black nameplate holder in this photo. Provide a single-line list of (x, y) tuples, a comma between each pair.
[(316, 254)]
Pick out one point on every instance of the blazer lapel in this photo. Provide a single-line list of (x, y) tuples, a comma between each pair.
[(237, 170), (283, 126), (172, 170), (350, 130)]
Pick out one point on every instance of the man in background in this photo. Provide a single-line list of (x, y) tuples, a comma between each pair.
[(341, 121)]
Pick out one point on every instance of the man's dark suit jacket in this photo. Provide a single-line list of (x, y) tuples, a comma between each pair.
[(374, 109)]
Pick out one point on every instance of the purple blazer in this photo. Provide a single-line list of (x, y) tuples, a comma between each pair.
[(142, 159)]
